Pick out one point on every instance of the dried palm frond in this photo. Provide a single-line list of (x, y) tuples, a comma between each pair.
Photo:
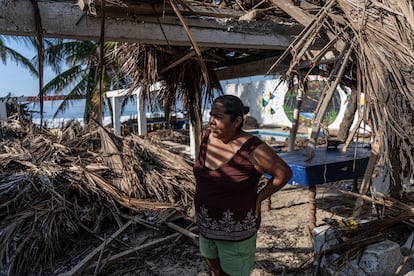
[(37, 220), (382, 36), (81, 179)]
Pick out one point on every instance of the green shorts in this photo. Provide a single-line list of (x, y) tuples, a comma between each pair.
[(236, 258)]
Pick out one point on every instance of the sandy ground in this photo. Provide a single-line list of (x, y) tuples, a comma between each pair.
[(284, 246)]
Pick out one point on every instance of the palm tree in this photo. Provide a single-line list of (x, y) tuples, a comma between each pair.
[(86, 77), (8, 53)]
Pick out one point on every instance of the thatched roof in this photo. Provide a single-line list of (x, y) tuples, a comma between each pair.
[(367, 45)]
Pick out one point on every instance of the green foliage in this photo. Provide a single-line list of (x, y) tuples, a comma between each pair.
[(310, 101), (330, 116)]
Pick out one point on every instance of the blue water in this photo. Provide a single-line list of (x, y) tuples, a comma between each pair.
[(76, 109)]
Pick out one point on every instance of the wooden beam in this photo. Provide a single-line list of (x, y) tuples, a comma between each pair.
[(253, 68), (366, 181), (141, 8), (137, 249), (190, 53), (182, 230), (260, 68), (61, 19)]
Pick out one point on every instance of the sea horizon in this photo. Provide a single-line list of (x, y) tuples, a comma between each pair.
[(76, 108)]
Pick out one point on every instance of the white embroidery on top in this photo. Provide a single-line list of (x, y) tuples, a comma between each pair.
[(227, 223)]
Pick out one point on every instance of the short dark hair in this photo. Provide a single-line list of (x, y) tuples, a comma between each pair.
[(233, 106)]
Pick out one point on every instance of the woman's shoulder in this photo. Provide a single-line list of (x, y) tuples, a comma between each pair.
[(252, 138), (252, 142)]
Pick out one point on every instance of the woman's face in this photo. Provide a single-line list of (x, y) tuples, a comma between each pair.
[(221, 125)]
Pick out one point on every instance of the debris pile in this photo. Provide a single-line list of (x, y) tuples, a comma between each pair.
[(346, 245), (59, 188)]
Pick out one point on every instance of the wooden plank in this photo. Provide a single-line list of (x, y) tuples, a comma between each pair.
[(63, 19), (132, 7), (260, 67), (174, 145)]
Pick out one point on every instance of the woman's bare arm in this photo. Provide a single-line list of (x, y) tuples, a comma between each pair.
[(265, 160)]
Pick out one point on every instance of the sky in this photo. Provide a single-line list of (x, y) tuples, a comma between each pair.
[(17, 80)]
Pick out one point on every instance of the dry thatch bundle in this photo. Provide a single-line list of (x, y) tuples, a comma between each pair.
[(372, 43), (57, 185), (384, 36)]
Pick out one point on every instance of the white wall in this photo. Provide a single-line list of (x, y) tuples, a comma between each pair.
[(271, 113), (252, 94)]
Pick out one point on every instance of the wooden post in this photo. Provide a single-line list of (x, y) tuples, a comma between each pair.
[(296, 112), (3, 111), (366, 181), (116, 114), (312, 208), (141, 114), (324, 102)]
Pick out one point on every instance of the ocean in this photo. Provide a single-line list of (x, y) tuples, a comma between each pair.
[(76, 108)]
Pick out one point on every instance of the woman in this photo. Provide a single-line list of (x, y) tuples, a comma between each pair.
[(227, 170)]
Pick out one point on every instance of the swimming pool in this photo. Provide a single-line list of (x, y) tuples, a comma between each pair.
[(273, 136)]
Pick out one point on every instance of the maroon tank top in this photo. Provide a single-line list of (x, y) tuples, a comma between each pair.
[(225, 198)]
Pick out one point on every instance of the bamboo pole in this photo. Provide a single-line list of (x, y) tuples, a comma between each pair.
[(197, 50), (323, 105), (366, 181), (299, 40), (183, 231)]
